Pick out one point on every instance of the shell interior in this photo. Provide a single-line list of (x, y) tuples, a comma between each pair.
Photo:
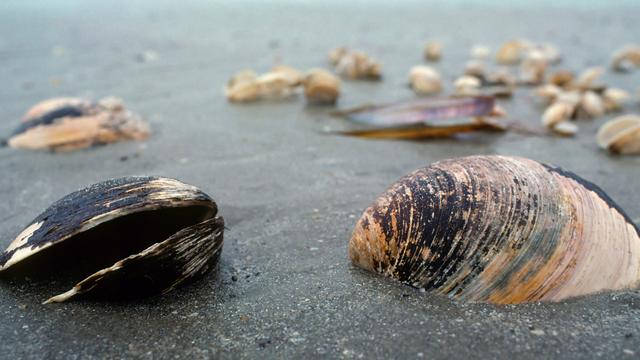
[(147, 232)]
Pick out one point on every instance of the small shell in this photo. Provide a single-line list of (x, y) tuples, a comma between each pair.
[(550, 53), (433, 51), (626, 58), (275, 85), (556, 113), (501, 77), (498, 229), (147, 234), (614, 98), (242, 87), (480, 52), (336, 54), (591, 104), (587, 79), (467, 86), (565, 128), (425, 80), (358, 65), (620, 135), (548, 92), (561, 78), (293, 76), (66, 124), (512, 51), (533, 68), (321, 86), (475, 68)]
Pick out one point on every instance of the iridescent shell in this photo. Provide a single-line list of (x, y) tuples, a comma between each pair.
[(498, 229)]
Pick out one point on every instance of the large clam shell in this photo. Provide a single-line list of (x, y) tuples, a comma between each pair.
[(500, 230), (129, 237), (65, 124)]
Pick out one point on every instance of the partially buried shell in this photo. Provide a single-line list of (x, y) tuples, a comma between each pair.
[(127, 238), (65, 124), (498, 229)]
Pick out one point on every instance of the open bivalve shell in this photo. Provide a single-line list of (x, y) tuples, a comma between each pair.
[(127, 238), (65, 124), (498, 229), (620, 135)]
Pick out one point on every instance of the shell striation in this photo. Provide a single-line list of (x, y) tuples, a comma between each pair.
[(498, 229), (126, 237)]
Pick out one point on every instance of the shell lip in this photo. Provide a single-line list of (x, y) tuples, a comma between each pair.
[(15, 256), (95, 194)]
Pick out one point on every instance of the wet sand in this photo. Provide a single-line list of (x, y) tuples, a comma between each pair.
[(290, 194)]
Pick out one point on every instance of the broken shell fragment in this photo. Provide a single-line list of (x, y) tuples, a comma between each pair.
[(321, 87), (626, 58), (433, 51), (127, 237), (66, 124), (247, 86), (425, 80), (620, 135), (532, 68), (498, 229)]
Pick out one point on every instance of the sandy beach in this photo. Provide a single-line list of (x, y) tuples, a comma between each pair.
[(289, 193)]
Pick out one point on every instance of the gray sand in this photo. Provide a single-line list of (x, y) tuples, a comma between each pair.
[(290, 194)]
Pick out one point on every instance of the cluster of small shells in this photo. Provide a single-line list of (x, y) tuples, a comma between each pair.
[(571, 98), (281, 82)]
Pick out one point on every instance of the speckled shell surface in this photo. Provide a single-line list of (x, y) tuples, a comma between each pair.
[(188, 253), (500, 230)]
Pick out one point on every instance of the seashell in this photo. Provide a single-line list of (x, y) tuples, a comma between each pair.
[(475, 68), (548, 92), (336, 54), (565, 128), (433, 51), (502, 77), (556, 113), (589, 76), (512, 51), (321, 86), (620, 135), (358, 65), (533, 68), (66, 124), (129, 237), (275, 85), (480, 52), (242, 87), (626, 58), (550, 53), (246, 86), (591, 104), (498, 229), (425, 80), (467, 86), (561, 78), (613, 98), (294, 76)]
